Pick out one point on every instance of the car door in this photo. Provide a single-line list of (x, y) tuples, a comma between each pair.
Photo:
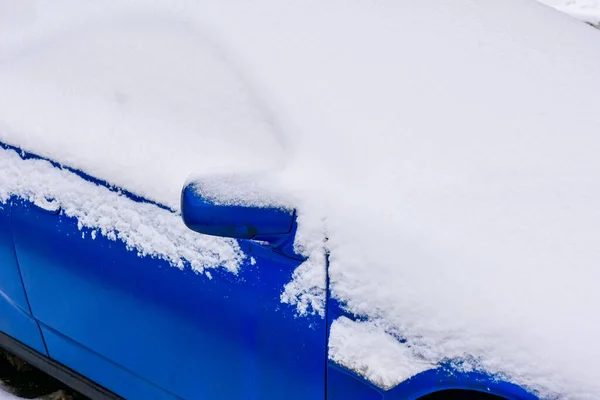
[(145, 326)]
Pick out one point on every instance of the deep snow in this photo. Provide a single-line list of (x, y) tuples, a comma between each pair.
[(448, 150)]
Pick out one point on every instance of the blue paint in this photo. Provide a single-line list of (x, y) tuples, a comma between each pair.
[(15, 316), (10, 279), (145, 329), (91, 364)]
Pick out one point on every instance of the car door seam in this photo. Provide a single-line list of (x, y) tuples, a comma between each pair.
[(108, 360), (14, 249)]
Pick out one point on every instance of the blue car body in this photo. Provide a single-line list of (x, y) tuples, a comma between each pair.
[(144, 329)]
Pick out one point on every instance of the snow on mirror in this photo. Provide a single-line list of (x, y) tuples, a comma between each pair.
[(203, 212), (238, 206)]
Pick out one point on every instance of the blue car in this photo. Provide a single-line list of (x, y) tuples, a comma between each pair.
[(111, 322), (315, 199)]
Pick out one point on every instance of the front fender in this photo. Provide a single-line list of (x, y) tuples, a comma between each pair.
[(347, 385), (444, 378)]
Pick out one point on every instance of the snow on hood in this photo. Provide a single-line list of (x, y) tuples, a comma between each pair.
[(448, 149)]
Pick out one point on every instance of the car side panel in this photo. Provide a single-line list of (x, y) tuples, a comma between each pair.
[(194, 336), (15, 316)]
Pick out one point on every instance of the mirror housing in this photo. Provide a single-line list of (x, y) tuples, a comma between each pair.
[(234, 221)]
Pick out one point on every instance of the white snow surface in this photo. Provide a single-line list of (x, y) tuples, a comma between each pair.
[(585, 10), (136, 97), (368, 350), (448, 150), (251, 190)]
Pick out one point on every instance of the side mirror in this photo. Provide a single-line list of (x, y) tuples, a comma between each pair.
[(235, 221)]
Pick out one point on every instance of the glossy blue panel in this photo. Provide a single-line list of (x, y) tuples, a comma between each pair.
[(202, 215), (15, 318), (227, 337), (21, 326), (89, 362)]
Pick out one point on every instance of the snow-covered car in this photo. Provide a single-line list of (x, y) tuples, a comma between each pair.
[(302, 199)]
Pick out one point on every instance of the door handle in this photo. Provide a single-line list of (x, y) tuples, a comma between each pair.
[(47, 205)]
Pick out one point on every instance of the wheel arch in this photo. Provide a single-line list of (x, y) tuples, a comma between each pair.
[(447, 378)]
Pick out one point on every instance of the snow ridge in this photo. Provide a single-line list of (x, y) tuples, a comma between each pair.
[(143, 227)]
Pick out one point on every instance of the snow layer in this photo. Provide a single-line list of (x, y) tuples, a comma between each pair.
[(585, 10), (448, 149), (144, 227), (251, 190), (368, 350)]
